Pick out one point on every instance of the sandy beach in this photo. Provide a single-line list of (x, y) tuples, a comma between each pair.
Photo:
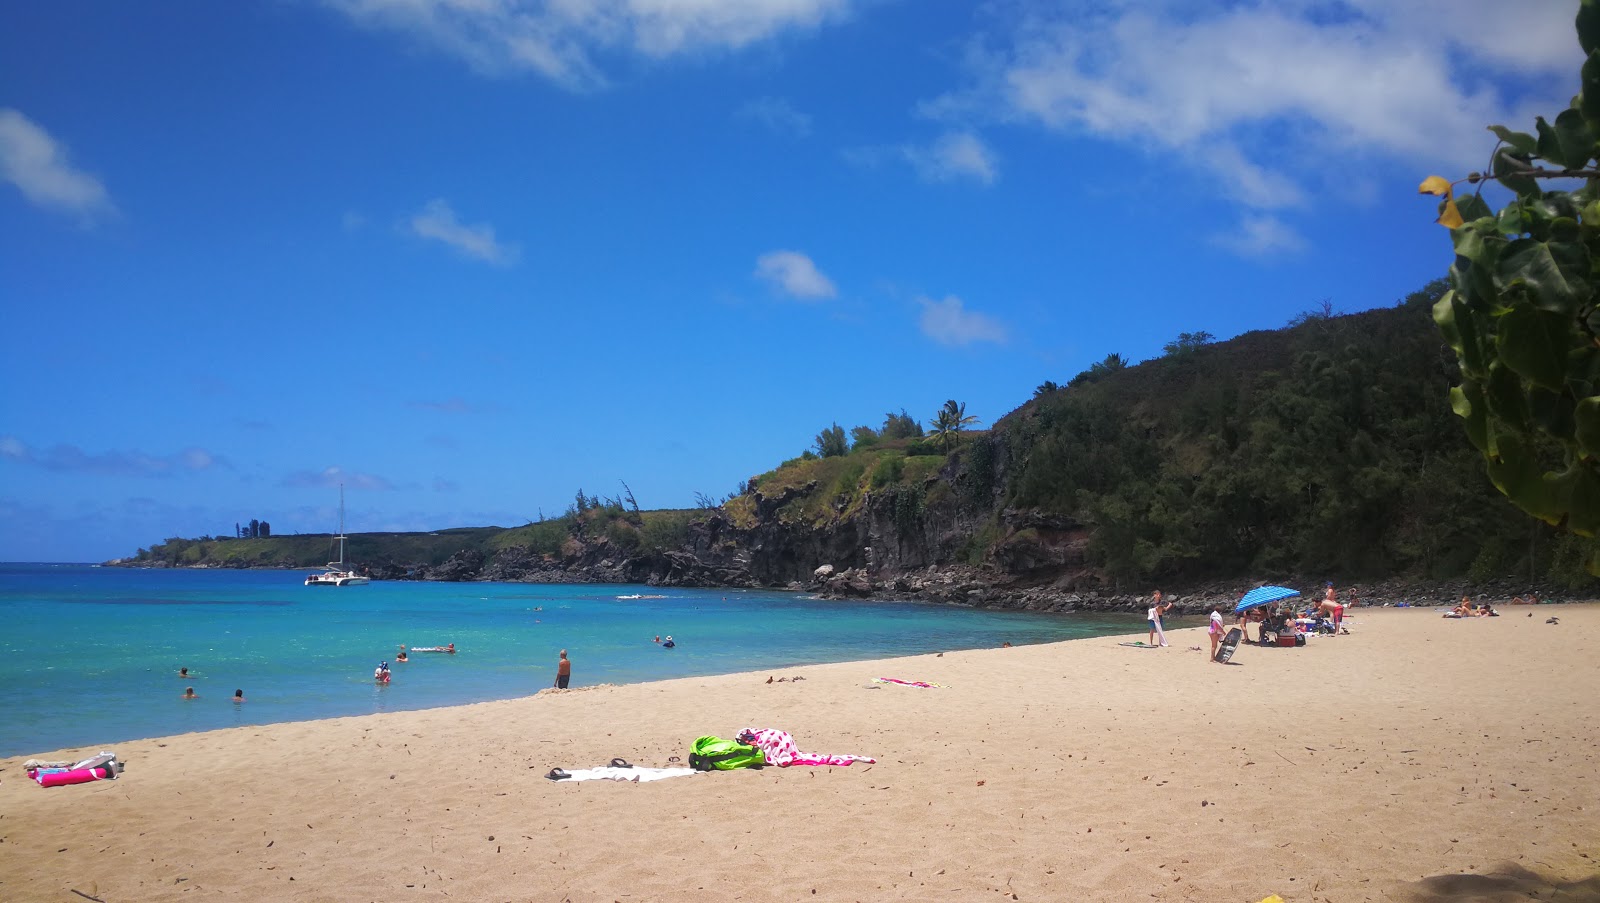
[(1417, 758)]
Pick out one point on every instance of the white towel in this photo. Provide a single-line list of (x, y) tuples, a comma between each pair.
[(634, 775)]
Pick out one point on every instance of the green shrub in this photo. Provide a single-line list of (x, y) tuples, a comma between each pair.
[(888, 471)]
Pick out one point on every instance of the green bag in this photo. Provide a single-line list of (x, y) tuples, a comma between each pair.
[(715, 753)]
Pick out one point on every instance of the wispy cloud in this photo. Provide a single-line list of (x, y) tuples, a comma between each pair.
[(954, 156), (1261, 236), (37, 164), (559, 39), (71, 458), (777, 115), (436, 221), (794, 274), (332, 477), (948, 322), (1237, 90)]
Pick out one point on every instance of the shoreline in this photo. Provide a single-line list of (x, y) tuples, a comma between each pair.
[(971, 587), (1415, 758)]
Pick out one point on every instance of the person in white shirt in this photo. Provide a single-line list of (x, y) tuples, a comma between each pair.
[(1157, 608)]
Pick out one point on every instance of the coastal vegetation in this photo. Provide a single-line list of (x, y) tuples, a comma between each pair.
[(1324, 450), (1523, 314)]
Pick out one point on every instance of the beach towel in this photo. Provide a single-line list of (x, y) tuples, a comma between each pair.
[(908, 683), (634, 775), (781, 750)]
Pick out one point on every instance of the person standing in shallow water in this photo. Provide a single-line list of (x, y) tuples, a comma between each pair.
[(563, 670)]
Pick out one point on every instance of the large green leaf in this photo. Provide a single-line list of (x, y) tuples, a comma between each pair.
[(1576, 139), (1516, 473), (1521, 142), (1508, 404), (1589, 26), (1555, 271), (1575, 493), (1589, 95), (1508, 166), (1473, 207), (1568, 143), (1586, 426), (1534, 344), (1466, 400), (1551, 411)]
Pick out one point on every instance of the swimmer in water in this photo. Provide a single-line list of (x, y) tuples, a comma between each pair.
[(183, 673), (238, 696), (189, 694)]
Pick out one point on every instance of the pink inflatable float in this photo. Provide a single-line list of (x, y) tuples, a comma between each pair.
[(76, 776)]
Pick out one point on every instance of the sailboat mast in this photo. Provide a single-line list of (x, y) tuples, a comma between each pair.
[(341, 526)]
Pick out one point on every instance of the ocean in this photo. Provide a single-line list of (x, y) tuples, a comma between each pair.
[(89, 656)]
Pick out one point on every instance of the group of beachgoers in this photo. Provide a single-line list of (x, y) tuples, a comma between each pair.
[(381, 673), (1326, 616), (189, 693)]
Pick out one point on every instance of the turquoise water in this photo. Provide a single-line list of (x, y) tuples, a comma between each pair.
[(90, 656)]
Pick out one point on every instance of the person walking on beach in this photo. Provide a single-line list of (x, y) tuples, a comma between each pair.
[(1157, 608), (563, 670), (1216, 630)]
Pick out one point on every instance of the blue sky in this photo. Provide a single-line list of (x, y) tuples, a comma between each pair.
[(469, 256)]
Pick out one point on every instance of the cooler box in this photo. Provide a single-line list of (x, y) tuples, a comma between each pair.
[(1285, 639)]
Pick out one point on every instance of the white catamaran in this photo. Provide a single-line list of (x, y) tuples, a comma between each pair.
[(338, 573)]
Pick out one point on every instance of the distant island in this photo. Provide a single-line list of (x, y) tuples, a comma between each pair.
[(1325, 450)]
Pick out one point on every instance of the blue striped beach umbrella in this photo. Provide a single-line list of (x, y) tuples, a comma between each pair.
[(1265, 595)]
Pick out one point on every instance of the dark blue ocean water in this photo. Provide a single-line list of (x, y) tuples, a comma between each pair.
[(90, 656)]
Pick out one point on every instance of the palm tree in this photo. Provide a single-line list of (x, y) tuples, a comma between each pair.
[(951, 418), (1111, 364)]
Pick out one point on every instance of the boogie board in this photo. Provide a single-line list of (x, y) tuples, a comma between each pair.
[(1229, 643)]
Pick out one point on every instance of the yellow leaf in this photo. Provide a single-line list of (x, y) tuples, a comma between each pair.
[(1450, 217), (1437, 185), (1273, 899)]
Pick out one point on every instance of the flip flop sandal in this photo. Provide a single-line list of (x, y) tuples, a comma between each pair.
[(557, 774), (621, 763), (673, 759)]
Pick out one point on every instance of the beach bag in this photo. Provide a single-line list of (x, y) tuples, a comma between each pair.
[(717, 754)]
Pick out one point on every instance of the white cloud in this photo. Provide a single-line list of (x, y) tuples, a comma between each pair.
[(948, 322), (1261, 236), (437, 221), (955, 155), (34, 162), (333, 477), (1261, 97), (560, 38), (778, 115), (794, 274)]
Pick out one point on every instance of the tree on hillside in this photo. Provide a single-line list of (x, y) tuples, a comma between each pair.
[(1045, 388), (900, 426), (1187, 342), (1114, 362), (948, 422), (863, 437), (831, 442), (1524, 313)]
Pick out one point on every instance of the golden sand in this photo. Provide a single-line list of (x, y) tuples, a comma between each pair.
[(1417, 758)]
